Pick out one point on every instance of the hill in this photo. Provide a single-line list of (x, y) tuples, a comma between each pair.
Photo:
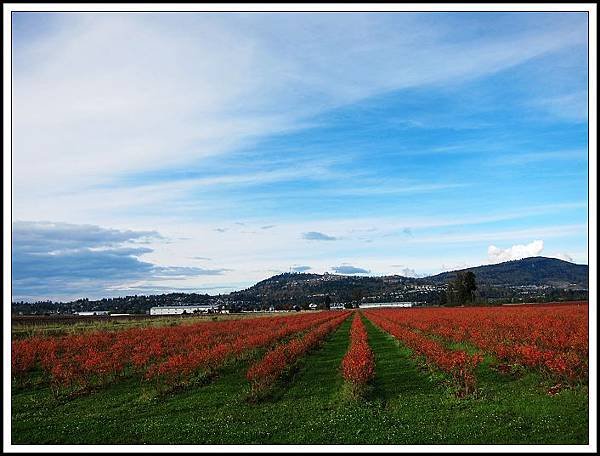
[(533, 271), (303, 288)]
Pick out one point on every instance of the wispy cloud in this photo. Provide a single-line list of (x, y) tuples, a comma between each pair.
[(572, 106), (120, 290), (349, 269), (114, 59), (43, 236), (317, 236), (405, 271), (392, 189), (531, 157), (563, 256), (553, 231), (408, 272)]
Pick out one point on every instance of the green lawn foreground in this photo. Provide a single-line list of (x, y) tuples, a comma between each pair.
[(406, 406)]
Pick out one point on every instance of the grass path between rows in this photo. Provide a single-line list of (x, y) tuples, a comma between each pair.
[(406, 406)]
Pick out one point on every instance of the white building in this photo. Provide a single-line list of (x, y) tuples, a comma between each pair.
[(366, 305), (92, 313), (180, 310)]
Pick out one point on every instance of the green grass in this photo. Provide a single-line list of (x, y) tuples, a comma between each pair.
[(406, 406)]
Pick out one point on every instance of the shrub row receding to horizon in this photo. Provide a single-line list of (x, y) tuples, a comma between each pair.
[(358, 365)]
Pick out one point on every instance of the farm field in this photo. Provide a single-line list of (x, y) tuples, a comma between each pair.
[(499, 375), (28, 326)]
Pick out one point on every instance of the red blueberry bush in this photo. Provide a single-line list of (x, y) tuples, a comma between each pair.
[(358, 365)]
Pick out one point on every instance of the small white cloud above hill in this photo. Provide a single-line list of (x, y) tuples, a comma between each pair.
[(563, 256), (516, 252)]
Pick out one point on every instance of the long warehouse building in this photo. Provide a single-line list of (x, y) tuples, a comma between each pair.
[(180, 310)]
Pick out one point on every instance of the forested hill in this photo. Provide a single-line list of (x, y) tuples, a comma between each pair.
[(528, 271), (533, 271), (504, 280), (299, 287)]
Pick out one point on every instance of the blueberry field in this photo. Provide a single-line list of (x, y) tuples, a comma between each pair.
[(474, 375)]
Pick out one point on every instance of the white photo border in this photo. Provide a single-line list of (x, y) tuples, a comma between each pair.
[(590, 8)]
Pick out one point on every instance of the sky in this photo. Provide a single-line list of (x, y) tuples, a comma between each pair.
[(159, 152)]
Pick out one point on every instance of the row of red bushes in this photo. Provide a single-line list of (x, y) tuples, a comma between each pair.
[(457, 363), (358, 365), (265, 372)]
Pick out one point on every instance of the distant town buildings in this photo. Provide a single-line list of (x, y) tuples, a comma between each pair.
[(180, 310)]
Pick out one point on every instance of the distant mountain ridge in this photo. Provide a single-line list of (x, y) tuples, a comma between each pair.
[(499, 280), (527, 271)]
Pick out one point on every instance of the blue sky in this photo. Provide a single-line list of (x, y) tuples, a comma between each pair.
[(206, 152)]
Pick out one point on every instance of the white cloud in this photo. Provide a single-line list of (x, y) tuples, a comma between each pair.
[(61, 260), (456, 266), (563, 256), (572, 106), (408, 272), (349, 269), (317, 236), (405, 270), (481, 236), (516, 252)]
